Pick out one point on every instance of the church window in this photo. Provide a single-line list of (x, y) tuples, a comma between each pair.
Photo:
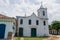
[(30, 22), (44, 23), (43, 13), (21, 21), (37, 22)]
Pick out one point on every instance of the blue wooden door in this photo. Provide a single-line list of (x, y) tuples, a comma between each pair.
[(2, 31)]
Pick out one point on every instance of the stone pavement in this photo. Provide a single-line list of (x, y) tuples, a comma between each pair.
[(21, 38), (58, 37), (53, 37)]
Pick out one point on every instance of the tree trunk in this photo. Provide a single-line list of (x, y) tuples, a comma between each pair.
[(57, 31)]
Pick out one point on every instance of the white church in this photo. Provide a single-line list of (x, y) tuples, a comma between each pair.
[(33, 25)]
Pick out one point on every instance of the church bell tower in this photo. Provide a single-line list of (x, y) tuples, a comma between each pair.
[(42, 12)]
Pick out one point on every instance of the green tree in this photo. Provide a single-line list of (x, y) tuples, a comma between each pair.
[(56, 25), (50, 28)]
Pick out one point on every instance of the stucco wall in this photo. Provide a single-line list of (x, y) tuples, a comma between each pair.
[(9, 28), (41, 29)]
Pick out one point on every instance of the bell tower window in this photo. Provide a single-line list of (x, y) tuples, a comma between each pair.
[(43, 13), (44, 23)]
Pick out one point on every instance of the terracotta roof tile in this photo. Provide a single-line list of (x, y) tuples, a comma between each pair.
[(3, 16)]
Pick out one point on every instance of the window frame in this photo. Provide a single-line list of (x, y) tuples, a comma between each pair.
[(44, 23), (29, 21), (21, 21), (43, 13), (37, 22)]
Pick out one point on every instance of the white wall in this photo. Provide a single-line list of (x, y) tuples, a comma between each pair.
[(9, 28), (27, 28)]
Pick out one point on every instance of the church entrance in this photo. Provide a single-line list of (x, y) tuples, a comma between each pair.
[(33, 32), (20, 32)]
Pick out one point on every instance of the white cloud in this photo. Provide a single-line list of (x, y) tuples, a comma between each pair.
[(57, 1), (20, 7)]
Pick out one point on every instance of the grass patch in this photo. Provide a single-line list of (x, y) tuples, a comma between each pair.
[(18, 38), (33, 38)]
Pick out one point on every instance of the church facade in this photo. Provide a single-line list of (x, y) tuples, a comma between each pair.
[(33, 25)]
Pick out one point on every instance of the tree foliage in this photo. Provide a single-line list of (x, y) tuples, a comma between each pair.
[(50, 28), (55, 25)]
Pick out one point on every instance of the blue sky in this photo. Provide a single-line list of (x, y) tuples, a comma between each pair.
[(20, 7)]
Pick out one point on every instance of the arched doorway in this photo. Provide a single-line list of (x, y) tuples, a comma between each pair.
[(33, 32), (2, 31), (20, 32)]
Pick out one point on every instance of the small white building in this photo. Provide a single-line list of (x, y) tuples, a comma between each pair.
[(7, 27), (34, 25)]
